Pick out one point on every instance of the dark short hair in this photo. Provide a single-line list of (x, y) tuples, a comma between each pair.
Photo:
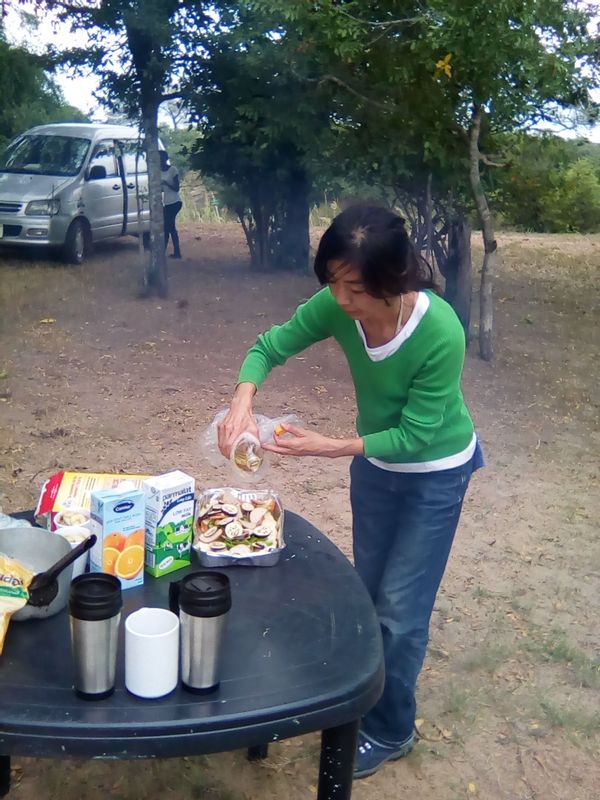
[(374, 239)]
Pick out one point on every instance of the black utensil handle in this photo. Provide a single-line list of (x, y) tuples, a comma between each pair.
[(55, 570)]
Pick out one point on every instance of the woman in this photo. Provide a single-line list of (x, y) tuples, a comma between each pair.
[(415, 450), (172, 204)]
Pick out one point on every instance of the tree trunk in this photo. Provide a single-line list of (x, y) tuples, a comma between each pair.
[(429, 220), (138, 204), (247, 227), (457, 272), (295, 240), (486, 303), (155, 278)]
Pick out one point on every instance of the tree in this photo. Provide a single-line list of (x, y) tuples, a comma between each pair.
[(506, 67), (550, 184), (258, 134), (138, 50), (457, 72), (28, 95), (574, 203)]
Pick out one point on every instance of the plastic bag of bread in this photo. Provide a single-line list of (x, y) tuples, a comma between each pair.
[(14, 584)]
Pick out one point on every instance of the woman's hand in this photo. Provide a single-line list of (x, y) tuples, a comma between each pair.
[(302, 442), (238, 420)]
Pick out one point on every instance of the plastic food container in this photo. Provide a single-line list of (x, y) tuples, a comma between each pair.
[(238, 527)]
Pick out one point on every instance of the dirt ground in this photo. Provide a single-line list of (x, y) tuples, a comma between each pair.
[(509, 707)]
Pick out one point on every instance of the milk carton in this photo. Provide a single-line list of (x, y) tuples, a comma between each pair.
[(169, 522), (117, 519)]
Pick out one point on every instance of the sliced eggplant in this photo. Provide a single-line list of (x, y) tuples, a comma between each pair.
[(211, 535)]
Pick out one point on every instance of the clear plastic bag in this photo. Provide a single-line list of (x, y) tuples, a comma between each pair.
[(248, 461), (7, 521)]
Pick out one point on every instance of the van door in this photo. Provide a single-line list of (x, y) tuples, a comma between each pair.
[(134, 157), (103, 197)]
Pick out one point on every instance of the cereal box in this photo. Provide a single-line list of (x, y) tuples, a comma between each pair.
[(65, 496)]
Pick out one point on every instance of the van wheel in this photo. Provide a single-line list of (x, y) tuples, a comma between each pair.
[(77, 243), (146, 240)]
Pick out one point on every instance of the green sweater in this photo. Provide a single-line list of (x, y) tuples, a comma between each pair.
[(410, 406)]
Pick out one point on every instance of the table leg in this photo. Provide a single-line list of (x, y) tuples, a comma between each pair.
[(338, 749), (4, 775), (258, 752)]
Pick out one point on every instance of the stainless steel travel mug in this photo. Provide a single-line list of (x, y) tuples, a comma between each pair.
[(202, 600), (95, 612)]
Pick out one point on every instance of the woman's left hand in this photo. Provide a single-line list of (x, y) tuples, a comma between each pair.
[(302, 442)]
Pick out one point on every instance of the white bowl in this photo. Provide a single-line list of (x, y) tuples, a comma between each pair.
[(60, 522)]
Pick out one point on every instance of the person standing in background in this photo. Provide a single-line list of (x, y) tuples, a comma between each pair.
[(172, 204)]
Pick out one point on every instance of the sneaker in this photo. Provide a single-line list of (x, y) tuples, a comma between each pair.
[(370, 755)]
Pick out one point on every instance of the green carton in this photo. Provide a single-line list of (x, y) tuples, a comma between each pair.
[(169, 522)]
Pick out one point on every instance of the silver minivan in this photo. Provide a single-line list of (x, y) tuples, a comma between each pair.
[(68, 185)]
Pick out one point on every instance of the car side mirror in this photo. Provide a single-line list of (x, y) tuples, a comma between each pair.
[(96, 173)]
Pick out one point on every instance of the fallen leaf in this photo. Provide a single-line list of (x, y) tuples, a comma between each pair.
[(3, 374), (312, 789), (472, 788), (47, 321)]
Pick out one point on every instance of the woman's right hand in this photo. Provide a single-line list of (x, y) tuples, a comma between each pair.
[(238, 419)]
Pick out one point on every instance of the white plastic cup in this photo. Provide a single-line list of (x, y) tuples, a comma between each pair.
[(75, 534), (151, 652)]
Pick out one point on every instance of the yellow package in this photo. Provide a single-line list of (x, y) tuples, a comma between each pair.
[(14, 583)]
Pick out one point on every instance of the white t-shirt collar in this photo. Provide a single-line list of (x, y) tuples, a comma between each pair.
[(389, 348)]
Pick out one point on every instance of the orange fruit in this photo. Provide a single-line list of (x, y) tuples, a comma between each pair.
[(116, 540), (129, 562), (137, 537), (109, 559)]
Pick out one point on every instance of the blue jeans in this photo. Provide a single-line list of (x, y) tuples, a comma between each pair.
[(403, 525)]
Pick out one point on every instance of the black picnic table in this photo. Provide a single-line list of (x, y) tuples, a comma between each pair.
[(302, 653)]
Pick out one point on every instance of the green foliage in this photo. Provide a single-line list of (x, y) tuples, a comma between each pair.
[(135, 48), (28, 95), (574, 204), (550, 184), (262, 135), (180, 144)]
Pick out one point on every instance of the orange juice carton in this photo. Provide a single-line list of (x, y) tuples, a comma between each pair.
[(117, 519), (169, 522)]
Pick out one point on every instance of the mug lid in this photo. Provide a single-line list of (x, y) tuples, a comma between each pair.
[(95, 596), (205, 594)]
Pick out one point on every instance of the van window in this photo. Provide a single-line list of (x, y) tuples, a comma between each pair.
[(45, 154), (104, 156), (130, 149)]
